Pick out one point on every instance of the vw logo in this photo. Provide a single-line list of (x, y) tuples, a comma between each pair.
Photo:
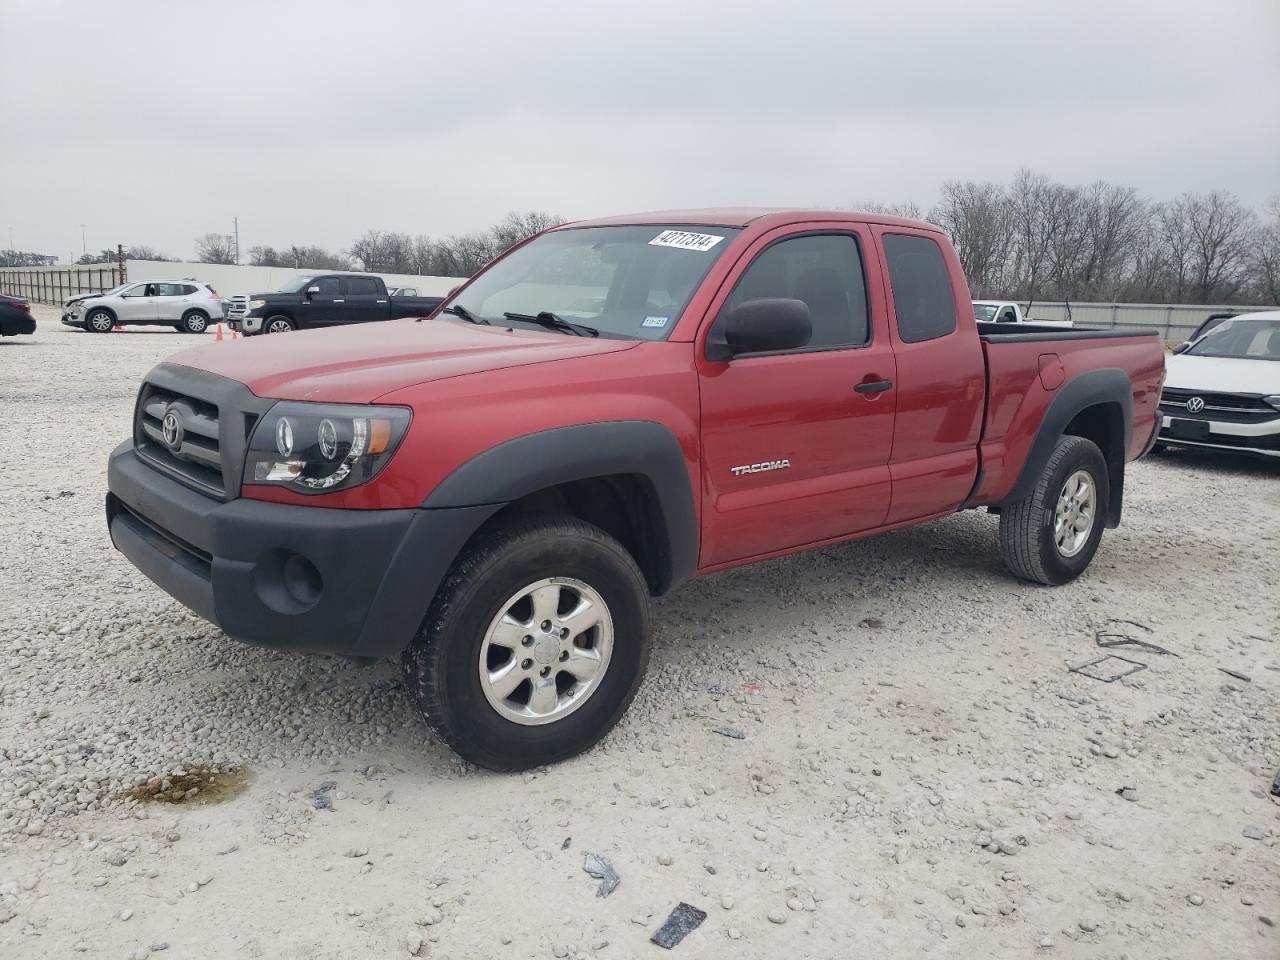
[(171, 430), (1195, 404)]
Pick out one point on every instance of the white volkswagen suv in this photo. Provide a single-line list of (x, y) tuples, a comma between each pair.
[(1222, 390), (186, 305)]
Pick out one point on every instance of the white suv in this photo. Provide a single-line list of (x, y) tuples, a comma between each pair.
[(185, 305), (1222, 390)]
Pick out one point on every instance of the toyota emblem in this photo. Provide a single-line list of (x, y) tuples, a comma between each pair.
[(1195, 404), (171, 430)]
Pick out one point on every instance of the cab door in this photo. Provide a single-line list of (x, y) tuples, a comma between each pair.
[(322, 303), (942, 376), (137, 304), (170, 299), (366, 300), (796, 444)]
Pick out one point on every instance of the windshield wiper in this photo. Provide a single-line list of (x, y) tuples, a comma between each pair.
[(458, 310), (553, 322)]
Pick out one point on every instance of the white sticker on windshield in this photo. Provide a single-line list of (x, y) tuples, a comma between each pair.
[(681, 240), (655, 321)]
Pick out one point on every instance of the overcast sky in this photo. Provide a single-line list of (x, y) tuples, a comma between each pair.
[(153, 122)]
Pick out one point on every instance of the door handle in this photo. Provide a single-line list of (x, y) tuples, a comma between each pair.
[(874, 386), (339, 301)]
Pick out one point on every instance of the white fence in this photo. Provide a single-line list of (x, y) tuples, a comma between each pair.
[(1174, 321), (54, 284)]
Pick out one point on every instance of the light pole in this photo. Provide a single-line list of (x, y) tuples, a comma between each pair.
[(84, 247), (235, 225)]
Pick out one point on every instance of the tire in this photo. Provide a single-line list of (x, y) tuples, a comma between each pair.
[(194, 321), (443, 668), (100, 321), (278, 324), (1029, 531)]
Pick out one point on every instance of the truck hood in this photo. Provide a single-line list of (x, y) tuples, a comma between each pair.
[(360, 363), (1222, 374)]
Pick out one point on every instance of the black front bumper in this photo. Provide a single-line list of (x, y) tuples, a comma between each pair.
[(354, 582)]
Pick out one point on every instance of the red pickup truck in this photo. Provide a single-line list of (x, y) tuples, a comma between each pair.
[(607, 410)]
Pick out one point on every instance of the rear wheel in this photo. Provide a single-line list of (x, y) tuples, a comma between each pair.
[(278, 324), (99, 321), (193, 321), (1051, 535), (534, 645)]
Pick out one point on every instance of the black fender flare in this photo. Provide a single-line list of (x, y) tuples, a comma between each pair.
[(527, 464), (1106, 385)]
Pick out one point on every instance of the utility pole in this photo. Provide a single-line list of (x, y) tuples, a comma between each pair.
[(84, 247), (235, 224)]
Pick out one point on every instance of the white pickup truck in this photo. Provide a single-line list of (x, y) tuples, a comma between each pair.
[(1004, 311)]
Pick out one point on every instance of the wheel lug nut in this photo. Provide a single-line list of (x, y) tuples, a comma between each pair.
[(527, 641), (526, 664), (564, 633), (545, 671), (564, 655), (546, 626)]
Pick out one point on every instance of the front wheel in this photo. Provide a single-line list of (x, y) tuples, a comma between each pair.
[(278, 324), (534, 645), (1051, 535), (100, 321)]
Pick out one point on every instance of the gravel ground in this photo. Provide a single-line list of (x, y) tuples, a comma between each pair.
[(874, 749)]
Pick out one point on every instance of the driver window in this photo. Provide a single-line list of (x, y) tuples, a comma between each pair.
[(137, 290), (328, 286), (824, 271)]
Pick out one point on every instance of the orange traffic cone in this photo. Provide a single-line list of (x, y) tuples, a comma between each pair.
[(218, 338), (234, 335)]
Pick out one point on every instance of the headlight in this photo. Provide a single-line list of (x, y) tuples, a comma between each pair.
[(323, 447), (1274, 400), (255, 304)]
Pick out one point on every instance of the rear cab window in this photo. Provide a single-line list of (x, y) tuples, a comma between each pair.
[(360, 286), (922, 295)]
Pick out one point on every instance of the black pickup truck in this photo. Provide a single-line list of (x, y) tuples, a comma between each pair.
[(325, 301)]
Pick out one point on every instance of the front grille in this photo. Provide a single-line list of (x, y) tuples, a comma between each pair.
[(236, 307), (193, 453), (1225, 407)]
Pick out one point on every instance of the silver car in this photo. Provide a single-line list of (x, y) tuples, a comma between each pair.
[(186, 305)]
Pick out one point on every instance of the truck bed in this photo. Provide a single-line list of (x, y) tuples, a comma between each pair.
[(1026, 365)]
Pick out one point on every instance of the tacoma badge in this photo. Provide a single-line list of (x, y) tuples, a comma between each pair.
[(761, 467)]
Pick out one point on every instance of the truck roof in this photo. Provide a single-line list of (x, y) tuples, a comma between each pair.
[(742, 216)]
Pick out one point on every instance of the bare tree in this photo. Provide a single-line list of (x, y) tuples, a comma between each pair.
[(1266, 258), (215, 248), (1222, 231), (976, 218), (907, 208), (517, 226), (140, 251)]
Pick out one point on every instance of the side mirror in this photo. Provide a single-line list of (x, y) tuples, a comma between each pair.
[(311, 290), (1182, 347), (760, 326)]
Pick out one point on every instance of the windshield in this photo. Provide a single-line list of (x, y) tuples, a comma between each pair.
[(296, 284), (631, 282), (985, 311), (1241, 338)]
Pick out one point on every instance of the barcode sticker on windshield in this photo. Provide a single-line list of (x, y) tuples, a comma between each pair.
[(681, 240)]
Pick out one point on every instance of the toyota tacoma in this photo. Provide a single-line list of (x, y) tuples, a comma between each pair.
[(493, 495)]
